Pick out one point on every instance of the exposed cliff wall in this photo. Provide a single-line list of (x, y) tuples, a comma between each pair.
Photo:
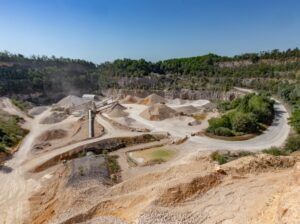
[(172, 94)]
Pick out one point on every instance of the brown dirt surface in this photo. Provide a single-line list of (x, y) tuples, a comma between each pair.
[(71, 188), (158, 112), (53, 134), (197, 191)]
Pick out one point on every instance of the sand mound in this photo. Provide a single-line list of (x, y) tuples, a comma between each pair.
[(52, 135), (71, 101), (158, 112), (187, 109), (55, 117), (130, 99), (152, 99)]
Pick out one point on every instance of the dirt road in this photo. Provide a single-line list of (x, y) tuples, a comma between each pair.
[(14, 187), (275, 135)]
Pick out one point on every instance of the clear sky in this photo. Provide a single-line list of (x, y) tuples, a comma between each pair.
[(104, 30)]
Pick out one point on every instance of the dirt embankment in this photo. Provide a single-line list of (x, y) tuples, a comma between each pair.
[(64, 133), (109, 144), (197, 192)]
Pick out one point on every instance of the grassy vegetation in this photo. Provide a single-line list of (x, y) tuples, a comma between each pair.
[(112, 164), (292, 145), (199, 117), (225, 157), (231, 138), (10, 131), (82, 153), (275, 151), (154, 155), (245, 115), (220, 158), (22, 105)]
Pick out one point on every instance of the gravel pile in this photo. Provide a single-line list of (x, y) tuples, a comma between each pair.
[(187, 109), (117, 111), (158, 112), (130, 99), (71, 101), (54, 118), (152, 99), (37, 110)]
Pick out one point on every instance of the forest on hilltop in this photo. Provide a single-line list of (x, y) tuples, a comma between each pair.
[(50, 78)]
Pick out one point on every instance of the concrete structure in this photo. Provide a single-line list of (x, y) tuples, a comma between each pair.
[(90, 123), (89, 97)]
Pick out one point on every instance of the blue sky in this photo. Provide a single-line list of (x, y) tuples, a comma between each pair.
[(104, 30)]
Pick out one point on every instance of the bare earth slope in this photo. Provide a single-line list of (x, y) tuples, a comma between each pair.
[(197, 191)]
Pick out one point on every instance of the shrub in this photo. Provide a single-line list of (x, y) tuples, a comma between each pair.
[(215, 123), (220, 158), (113, 165), (293, 144), (223, 132), (275, 151), (22, 105), (224, 106), (262, 107), (295, 120), (3, 148), (244, 122), (247, 115)]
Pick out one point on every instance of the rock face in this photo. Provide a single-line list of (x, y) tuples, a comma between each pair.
[(172, 94)]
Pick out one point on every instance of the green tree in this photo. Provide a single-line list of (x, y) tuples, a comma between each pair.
[(244, 122)]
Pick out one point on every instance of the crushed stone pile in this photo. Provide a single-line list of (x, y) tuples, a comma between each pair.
[(152, 99), (130, 99), (158, 112), (177, 101), (37, 110), (54, 118), (117, 111), (187, 109), (71, 101)]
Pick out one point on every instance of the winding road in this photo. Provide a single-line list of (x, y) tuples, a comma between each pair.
[(275, 135)]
